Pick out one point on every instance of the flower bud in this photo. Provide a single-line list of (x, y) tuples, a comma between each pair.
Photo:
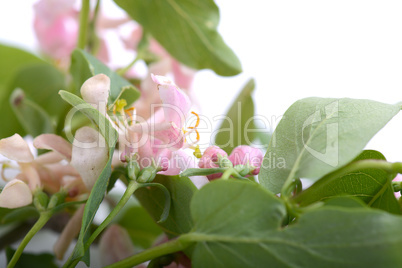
[(209, 159), (246, 155), (147, 174), (40, 200), (96, 89)]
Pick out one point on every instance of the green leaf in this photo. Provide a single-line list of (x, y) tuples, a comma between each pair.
[(12, 60), (238, 224), (18, 214), (233, 130), (317, 136), (372, 186), (345, 201), (84, 66), (100, 187), (31, 116), (181, 191), (29, 260), (187, 29), (40, 83), (142, 229)]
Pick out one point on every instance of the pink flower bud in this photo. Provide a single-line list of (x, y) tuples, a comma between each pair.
[(246, 155), (209, 158)]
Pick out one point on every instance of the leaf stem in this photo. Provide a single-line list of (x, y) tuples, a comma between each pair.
[(131, 187), (43, 219), (84, 15), (152, 253), (124, 70)]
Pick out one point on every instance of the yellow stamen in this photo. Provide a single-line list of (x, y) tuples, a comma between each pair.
[(197, 123), (130, 115)]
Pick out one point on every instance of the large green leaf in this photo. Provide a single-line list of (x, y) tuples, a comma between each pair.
[(317, 136), (181, 191), (238, 224), (12, 59), (187, 29), (141, 227), (31, 116), (40, 83), (99, 189), (373, 186), (84, 66), (233, 130)]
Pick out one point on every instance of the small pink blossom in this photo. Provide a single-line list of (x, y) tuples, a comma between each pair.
[(209, 158), (246, 155)]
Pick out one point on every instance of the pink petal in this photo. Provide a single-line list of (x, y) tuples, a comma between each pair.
[(206, 160), (176, 103), (90, 155), (69, 232), (183, 75), (115, 245), (16, 148), (15, 194), (49, 158), (57, 36), (246, 155), (31, 175), (96, 90), (54, 143)]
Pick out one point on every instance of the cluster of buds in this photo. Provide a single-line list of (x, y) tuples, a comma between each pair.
[(245, 160)]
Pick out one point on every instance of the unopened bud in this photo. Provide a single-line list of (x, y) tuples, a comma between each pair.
[(41, 200), (147, 174)]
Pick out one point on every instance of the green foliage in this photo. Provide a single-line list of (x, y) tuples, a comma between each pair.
[(141, 227), (100, 187), (40, 83), (372, 186), (239, 118), (84, 66), (238, 224), (187, 29), (31, 116), (27, 260), (181, 191), (317, 136)]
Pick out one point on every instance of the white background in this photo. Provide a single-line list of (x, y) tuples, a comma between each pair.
[(293, 49)]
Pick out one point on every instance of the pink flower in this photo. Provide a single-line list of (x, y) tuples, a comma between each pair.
[(209, 158), (398, 178), (115, 245), (56, 27), (166, 64), (246, 155)]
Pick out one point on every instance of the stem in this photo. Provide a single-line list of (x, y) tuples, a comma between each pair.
[(131, 187), (226, 175), (152, 253), (121, 72), (84, 15), (92, 33), (43, 219)]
